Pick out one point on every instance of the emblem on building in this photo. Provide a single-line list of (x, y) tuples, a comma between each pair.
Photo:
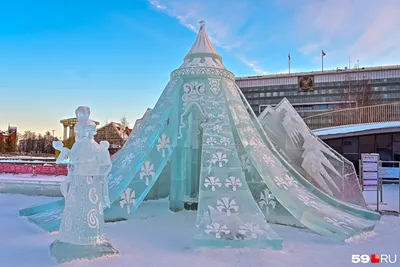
[(305, 83)]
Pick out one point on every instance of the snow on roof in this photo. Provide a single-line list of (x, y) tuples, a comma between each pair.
[(356, 128)]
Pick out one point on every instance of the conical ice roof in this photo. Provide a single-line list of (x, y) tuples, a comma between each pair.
[(202, 53)]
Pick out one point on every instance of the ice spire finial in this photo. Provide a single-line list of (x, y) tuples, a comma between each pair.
[(202, 45), (202, 23)]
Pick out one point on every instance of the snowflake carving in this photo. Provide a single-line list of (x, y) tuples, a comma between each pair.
[(217, 128), (114, 181), (128, 198), (245, 163), (268, 160), (228, 205), (267, 201), (127, 160), (149, 129), (233, 182), (308, 200), (211, 141), (285, 182), (163, 144), (218, 229), (291, 182), (257, 143), (213, 182), (224, 141), (147, 171), (219, 158), (138, 143), (251, 230)]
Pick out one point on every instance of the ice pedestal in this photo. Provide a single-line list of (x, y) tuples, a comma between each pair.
[(66, 252)]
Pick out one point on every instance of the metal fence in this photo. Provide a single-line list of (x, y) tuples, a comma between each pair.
[(33, 168), (369, 114)]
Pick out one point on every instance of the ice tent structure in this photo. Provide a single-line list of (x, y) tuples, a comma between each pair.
[(205, 144)]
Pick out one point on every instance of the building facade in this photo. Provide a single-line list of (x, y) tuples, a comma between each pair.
[(321, 91), (352, 141), (8, 140), (114, 133)]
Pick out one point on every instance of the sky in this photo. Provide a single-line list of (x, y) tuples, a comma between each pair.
[(116, 56)]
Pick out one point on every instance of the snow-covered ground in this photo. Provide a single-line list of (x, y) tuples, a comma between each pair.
[(28, 177), (157, 237)]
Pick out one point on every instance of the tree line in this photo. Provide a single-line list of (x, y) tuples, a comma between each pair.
[(30, 142)]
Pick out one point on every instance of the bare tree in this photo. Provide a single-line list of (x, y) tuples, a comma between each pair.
[(359, 94), (30, 142), (124, 125)]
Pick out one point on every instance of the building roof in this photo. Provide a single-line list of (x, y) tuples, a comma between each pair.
[(123, 133), (73, 121), (325, 72), (357, 129)]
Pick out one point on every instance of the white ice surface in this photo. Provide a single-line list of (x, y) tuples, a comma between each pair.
[(356, 128), (157, 237), (29, 178)]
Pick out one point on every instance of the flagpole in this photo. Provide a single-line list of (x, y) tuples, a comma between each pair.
[(289, 62), (322, 58)]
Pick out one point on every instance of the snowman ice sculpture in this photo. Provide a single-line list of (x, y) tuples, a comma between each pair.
[(81, 234)]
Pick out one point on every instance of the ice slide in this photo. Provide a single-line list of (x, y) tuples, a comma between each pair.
[(309, 155), (310, 206)]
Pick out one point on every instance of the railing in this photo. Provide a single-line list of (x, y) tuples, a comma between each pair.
[(34, 168), (369, 114)]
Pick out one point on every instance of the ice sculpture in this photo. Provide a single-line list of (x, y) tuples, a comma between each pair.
[(81, 233), (309, 155), (204, 139)]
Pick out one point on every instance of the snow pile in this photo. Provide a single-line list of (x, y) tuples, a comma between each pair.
[(361, 237)]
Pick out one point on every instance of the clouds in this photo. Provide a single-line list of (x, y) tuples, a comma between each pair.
[(227, 30), (260, 33), (363, 29)]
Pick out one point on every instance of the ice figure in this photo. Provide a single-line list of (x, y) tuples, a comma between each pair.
[(81, 233), (203, 146)]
